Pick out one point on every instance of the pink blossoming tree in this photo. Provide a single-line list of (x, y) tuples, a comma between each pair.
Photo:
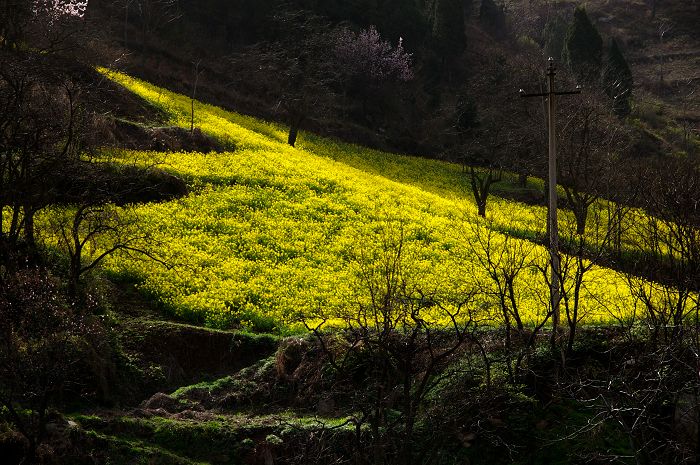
[(366, 55), (58, 9), (20, 17), (371, 68)]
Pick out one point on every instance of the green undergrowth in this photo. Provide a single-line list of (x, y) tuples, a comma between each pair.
[(244, 380), (161, 355), (208, 439), (563, 433), (128, 451)]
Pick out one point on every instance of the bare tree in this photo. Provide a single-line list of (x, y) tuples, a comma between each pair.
[(409, 337), (44, 335), (483, 148), (153, 16), (591, 140), (196, 73), (92, 231), (669, 234), (511, 265)]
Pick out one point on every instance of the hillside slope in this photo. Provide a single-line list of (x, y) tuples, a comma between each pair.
[(661, 42), (272, 235), (661, 45)]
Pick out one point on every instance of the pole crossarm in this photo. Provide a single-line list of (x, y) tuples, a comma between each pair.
[(555, 281), (546, 94)]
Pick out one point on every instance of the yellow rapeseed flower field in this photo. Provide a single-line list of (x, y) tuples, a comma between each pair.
[(271, 234)]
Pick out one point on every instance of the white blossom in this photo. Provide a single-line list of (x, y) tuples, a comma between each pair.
[(55, 10)]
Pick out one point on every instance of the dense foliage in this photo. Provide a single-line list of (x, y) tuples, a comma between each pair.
[(583, 48), (618, 80)]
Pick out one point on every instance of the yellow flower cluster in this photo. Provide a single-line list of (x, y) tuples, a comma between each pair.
[(272, 233)]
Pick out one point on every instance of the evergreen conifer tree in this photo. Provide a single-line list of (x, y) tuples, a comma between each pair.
[(583, 47), (617, 79), (448, 27), (466, 114), (492, 17)]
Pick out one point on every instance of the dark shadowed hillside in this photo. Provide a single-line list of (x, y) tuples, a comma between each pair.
[(659, 39)]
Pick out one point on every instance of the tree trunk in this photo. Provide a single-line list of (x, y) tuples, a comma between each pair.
[(294, 126), (522, 180), (581, 214), (74, 276), (293, 131), (29, 227), (571, 339), (410, 419), (481, 188)]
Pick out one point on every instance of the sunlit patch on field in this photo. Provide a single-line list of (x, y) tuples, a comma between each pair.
[(272, 234)]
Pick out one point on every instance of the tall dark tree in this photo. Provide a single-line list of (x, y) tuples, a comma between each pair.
[(448, 28), (492, 17), (554, 35), (402, 19), (298, 70), (617, 79), (583, 47), (14, 17), (41, 121)]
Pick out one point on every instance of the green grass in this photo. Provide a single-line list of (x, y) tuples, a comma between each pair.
[(221, 439)]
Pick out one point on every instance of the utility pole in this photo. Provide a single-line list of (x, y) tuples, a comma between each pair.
[(552, 222)]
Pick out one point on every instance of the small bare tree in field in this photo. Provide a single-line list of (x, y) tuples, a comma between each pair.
[(583, 252), (497, 134), (513, 268), (91, 232), (668, 237), (592, 142), (402, 340)]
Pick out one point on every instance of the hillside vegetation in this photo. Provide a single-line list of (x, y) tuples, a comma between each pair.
[(272, 234), (184, 284)]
